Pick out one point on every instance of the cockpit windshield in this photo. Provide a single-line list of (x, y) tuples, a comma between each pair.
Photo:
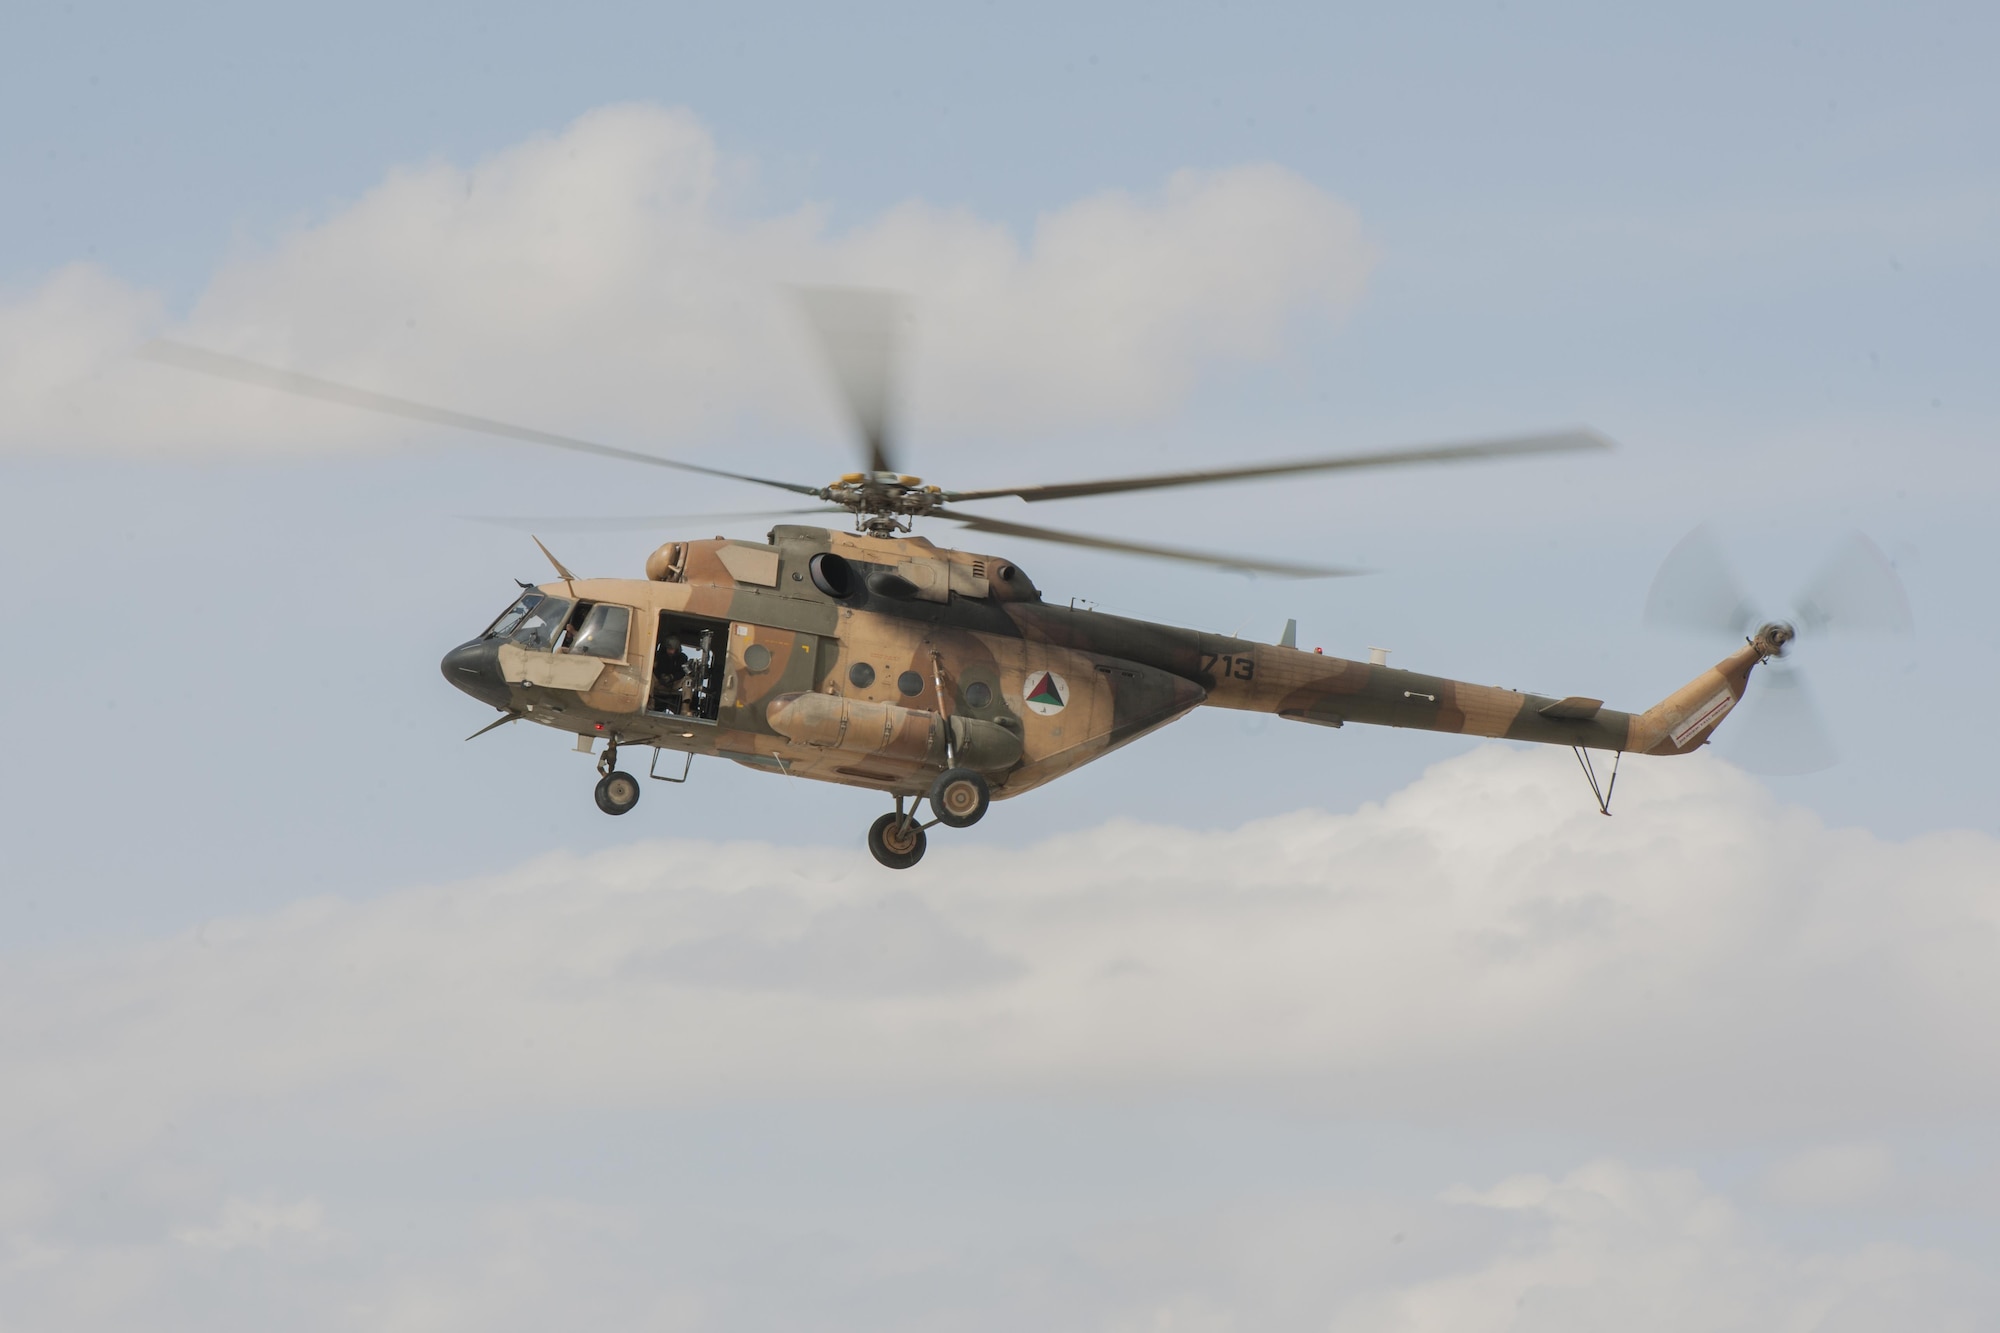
[(510, 619)]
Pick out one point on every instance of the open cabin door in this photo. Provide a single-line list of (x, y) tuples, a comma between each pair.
[(690, 658)]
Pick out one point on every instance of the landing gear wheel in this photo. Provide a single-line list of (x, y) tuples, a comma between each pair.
[(897, 841), (959, 798), (617, 793)]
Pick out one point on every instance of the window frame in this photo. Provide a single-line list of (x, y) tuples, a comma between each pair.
[(631, 625), (550, 647), (494, 624)]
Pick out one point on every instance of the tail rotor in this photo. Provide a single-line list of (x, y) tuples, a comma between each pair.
[(1696, 589), (1855, 592)]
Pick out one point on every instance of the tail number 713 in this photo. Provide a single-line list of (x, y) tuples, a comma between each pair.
[(1228, 667)]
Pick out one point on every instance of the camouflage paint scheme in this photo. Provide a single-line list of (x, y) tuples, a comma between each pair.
[(955, 620)]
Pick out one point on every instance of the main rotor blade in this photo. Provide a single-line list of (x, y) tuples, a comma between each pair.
[(1241, 564), (1781, 733), (628, 522), (856, 331), (1856, 591), (166, 352), (1558, 442), (1696, 589)]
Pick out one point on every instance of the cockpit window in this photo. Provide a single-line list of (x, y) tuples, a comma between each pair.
[(537, 622), (603, 632), (510, 619), (539, 626)]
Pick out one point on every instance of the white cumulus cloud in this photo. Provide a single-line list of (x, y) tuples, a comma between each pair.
[(1481, 955), (253, 1224), (1743, 965), (605, 279), (1609, 1245)]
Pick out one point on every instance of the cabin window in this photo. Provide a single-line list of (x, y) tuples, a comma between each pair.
[(544, 620), (603, 632)]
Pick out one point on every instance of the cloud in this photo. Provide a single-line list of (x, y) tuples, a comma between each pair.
[(1613, 1246), (1480, 955), (1608, 1244), (889, 947), (1831, 1175), (253, 1224), (605, 279), (1483, 944)]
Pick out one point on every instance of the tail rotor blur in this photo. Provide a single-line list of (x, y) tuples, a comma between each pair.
[(1780, 730), (1696, 589), (1855, 591)]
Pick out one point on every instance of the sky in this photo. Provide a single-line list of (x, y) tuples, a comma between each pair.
[(324, 1016)]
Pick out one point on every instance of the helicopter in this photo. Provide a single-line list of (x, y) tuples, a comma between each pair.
[(942, 678)]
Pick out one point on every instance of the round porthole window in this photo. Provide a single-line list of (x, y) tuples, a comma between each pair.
[(910, 683), (979, 694), (861, 675), (756, 657)]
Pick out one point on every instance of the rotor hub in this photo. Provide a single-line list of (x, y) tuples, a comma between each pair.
[(883, 503), (1772, 637)]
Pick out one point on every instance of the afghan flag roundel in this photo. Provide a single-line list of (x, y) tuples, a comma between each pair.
[(1045, 692)]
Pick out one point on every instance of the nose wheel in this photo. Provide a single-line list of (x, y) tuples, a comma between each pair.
[(616, 792)]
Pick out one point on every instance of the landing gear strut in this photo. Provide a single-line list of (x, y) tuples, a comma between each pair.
[(616, 792), (958, 799)]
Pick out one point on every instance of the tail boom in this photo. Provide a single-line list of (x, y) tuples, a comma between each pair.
[(1331, 691)]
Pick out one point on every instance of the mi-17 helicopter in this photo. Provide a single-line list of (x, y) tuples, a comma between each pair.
[(939, 677)]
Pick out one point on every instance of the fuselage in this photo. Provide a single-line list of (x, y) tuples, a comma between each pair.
[(877, 662)]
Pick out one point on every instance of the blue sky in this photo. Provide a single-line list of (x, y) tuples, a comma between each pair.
[(1757, 248)]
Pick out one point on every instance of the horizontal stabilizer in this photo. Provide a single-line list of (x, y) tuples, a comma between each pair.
[(1576, 708), (1319, 714)]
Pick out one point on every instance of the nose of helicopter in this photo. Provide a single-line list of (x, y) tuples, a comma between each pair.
[(475, 668)]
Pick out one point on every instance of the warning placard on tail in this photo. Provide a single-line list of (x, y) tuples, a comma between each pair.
[(1702, 718)]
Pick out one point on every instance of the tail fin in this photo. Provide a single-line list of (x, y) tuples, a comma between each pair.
[(1685, 719)]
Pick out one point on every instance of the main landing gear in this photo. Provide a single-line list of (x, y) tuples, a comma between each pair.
[(958, 799), (616, 792), (897, 840)]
